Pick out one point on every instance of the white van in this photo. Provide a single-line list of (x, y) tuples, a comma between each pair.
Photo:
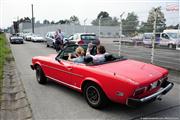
[(170, 38), (148, 37)]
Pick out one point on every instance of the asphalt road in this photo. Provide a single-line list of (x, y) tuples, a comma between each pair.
[(54, 101)]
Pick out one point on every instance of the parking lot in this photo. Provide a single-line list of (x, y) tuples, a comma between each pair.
[(54, 101)]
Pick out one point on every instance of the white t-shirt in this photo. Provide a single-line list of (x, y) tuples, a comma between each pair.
[(99, 58)]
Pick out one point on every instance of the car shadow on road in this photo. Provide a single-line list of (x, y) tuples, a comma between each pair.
[(113, 109)]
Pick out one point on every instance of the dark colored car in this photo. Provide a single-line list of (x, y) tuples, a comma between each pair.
[(15, 38)]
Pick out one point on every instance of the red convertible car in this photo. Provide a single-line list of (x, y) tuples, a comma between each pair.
[(118, 79)]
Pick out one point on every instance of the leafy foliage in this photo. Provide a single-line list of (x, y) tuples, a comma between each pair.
[(46, 22), (129, 25), (105, 20), (74, 19), (160, 22)]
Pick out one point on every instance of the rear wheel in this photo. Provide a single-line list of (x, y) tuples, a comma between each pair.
[(95, 96), (40, 77), (170, 46)]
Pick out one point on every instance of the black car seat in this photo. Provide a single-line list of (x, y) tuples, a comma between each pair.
[(109, 57), (88, 59)]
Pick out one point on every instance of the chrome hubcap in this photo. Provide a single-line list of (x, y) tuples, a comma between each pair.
[(93, 95)]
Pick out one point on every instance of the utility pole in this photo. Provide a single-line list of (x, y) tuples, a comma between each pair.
[(32, 18), (120, 33), (73, 27), (85, 25), (100, 26), (178, 37), (154, 36)]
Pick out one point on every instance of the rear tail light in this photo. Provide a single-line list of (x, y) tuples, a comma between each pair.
[(81, 42), (139, 91)]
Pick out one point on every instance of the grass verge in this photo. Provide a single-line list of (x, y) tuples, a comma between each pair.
[(4, 52)]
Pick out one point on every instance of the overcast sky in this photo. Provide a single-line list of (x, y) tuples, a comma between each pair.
[(62, 9)]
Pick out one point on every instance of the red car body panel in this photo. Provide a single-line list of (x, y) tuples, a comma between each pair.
[(117, 77)]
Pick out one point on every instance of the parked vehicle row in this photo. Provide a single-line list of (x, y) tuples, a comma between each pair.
[(78, 38), (168, 38), (33, 37)]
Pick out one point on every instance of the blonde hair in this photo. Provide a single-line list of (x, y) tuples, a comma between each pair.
[(80, 51)]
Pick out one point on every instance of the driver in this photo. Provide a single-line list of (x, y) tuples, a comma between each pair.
[(80, 55)]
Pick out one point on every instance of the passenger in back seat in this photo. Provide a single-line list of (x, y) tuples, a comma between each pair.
[(99, 57)]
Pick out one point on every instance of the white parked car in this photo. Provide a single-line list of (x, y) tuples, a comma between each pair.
[(37, 38), (28, 36), (50, 38)]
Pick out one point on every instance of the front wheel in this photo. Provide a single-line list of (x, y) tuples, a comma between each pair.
[(171, 46), (40, 77), (95, 96)]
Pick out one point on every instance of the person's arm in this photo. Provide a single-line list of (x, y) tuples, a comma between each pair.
[(88, 52), (69, 57)]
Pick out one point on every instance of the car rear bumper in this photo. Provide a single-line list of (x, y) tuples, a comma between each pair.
[(165, 87)]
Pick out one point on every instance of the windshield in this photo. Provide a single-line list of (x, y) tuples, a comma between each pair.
[(172, 35), (88, 37)]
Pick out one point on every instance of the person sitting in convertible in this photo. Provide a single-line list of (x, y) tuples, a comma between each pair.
[(80, 55), (100, 56)]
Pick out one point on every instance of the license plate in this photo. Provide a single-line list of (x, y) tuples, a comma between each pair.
[(154, 84)]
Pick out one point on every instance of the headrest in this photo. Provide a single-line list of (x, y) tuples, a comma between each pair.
[(88, 59)]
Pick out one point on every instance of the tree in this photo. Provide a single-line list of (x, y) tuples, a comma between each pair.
[(129, 25), (103, 14), (25, 19), (38, 22), (105, 20), (63, 22), (46, 22), (74, 19), (172, 26), (52, 22), (160, 21)]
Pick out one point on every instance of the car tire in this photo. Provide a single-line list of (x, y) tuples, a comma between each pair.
[(95, 96), (47, 45), (40, 76), (171, 46), (53, 46)]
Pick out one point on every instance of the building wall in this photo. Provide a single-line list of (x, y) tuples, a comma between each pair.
[(106, 31)]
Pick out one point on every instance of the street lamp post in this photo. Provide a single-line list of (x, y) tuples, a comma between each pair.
[(154, 36), (32, 18), (100, 26), (120, 33), (85, 25)]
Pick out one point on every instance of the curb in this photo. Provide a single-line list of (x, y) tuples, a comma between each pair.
[(14, 102)]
